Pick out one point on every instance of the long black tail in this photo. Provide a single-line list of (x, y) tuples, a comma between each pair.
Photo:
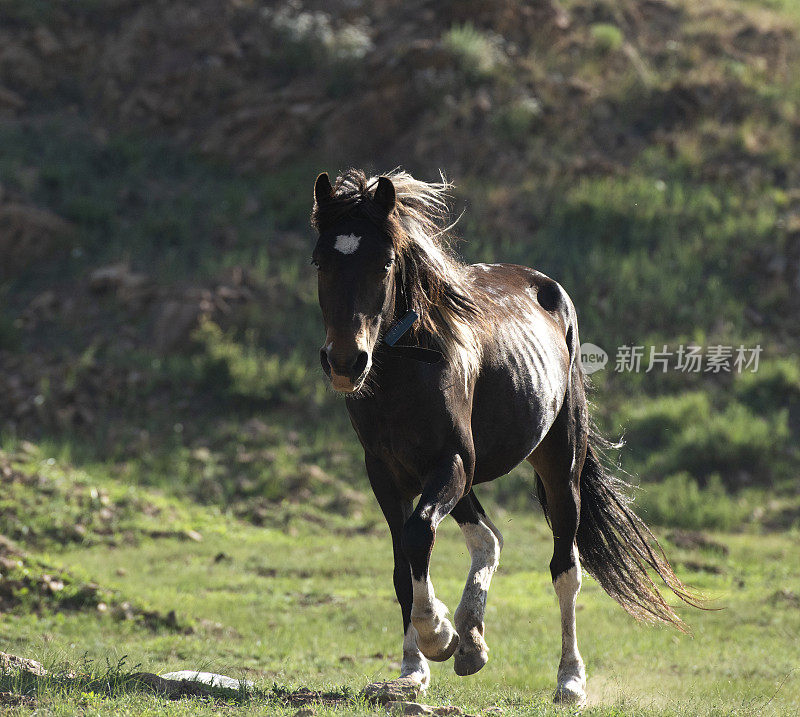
[(617, 548)]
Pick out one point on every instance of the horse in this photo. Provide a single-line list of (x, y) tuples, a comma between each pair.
[(488, 375)]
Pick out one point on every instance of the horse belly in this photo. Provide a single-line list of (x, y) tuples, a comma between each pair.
[(518, 394)]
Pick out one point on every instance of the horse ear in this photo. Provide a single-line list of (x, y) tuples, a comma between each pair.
[(322, 188), (385, 195)]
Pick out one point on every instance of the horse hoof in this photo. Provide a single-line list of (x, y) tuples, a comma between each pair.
[(468, 663), (441, 655), (571, 694)]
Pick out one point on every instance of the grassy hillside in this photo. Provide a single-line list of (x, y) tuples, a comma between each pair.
[(641, 153)]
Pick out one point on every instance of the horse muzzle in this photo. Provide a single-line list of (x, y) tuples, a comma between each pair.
[(347, 373)]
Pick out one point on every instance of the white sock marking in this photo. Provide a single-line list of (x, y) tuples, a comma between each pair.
[(484, 549), (425, 604), (347, 243), (571, 672), (429, 616), (414, 664)]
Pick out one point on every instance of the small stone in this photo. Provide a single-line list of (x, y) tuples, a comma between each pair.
[(398, 690), (408, 708), (12, 663), (304, 712), (446, 710)]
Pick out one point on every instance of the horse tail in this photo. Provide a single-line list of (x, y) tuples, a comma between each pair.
[(616, 547)]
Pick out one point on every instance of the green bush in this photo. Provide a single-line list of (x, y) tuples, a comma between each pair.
[(775, 384), (679, 502), (477, 53), (248, 372), (606, 37), (515, 121), (685, 433)]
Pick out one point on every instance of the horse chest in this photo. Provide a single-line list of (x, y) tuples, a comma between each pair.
[(407, 434)]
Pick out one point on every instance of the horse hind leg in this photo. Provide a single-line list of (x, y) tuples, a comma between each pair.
[(484, 543), (558, 461)]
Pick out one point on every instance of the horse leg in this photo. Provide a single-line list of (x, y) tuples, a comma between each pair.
[(396, 510), (558, 461), (436, 637), (484, 543)]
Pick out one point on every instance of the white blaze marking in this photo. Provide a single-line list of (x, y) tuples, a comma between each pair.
[(347, 243)]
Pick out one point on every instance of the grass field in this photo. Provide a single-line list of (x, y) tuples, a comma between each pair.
[(310, 605)]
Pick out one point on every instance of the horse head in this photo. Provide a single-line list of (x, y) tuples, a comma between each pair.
[(356, 261)]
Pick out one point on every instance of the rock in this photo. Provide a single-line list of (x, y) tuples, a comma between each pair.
[(27, 234), (12, 663), (304, 712), (208, 678), (117, 277), (175, 323), (408, 708), (190, 683), (398, 690), (11, 99), (446, 710)]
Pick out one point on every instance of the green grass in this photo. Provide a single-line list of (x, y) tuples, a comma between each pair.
[(308, 601), (315, 609)]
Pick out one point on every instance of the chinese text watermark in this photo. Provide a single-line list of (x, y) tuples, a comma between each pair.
[(716, 358)]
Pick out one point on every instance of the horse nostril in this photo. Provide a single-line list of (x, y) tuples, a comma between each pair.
[(360, 364), (323, 359)]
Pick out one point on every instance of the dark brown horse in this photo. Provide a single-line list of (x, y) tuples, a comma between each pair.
[(507, 386)]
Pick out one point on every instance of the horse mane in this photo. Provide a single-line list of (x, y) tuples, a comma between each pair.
[(436, 284)]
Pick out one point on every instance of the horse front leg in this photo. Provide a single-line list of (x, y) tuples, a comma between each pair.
[(484, 543), (396, 509), (436, 637)]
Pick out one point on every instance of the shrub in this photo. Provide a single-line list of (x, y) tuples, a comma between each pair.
[(775, 384), (478, 53), (678, 501), (684, 433), (312, 38), (247, 371), (606, 37), (515, 121)]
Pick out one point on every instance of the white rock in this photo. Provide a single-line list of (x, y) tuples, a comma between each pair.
[(208, 678)]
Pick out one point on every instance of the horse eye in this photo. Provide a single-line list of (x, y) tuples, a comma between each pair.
[(314, 263), (389, 264)]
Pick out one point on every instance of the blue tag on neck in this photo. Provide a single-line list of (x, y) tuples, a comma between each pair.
[(394, 334)]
